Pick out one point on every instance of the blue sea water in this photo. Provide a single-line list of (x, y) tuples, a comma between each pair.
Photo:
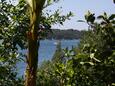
[(46, 51), (48, 47)]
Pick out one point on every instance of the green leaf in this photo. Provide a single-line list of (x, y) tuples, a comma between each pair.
[(80, 21), (113, 21), (2, 59), (105, 15), (101, 17), (92, 55), (49, 1), (112, 17), (91, 63), (82, 63), (113, 84), (82, 55), (114, 1), (96, 59)]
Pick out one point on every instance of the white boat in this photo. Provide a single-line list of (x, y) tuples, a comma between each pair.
[(57, 42)]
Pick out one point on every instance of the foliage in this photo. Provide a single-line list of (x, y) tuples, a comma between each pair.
[(45, 75), (96, 55), (58, 55), (93, 62), (14, 24), (9, 55), (58, 71)]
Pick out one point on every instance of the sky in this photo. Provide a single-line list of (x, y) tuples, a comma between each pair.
[(79, 8)]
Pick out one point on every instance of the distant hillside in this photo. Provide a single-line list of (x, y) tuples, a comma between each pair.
[(65, 34)]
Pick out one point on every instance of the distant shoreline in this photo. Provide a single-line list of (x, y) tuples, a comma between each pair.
[(69, 34), (59, 39)]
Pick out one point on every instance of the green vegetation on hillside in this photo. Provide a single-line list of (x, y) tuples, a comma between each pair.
[(65, 34)]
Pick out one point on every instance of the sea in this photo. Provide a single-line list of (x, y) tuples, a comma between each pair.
[(46, 51)]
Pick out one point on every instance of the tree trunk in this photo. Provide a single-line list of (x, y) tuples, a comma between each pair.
[(32, 61), (33, 42)]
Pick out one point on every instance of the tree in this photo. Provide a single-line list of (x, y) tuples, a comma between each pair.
[(95, 58), (58, 55), (9, 55), (35, 8), (15, 20), (94, 62)]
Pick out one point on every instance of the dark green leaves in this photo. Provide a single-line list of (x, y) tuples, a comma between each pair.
[(90, 17), (114, 1), (112, 17)]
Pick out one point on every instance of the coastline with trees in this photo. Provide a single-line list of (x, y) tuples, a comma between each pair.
[(68, 34), (91, 63)]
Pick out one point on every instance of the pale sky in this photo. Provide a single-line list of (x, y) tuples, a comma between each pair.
[(79, 8)]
